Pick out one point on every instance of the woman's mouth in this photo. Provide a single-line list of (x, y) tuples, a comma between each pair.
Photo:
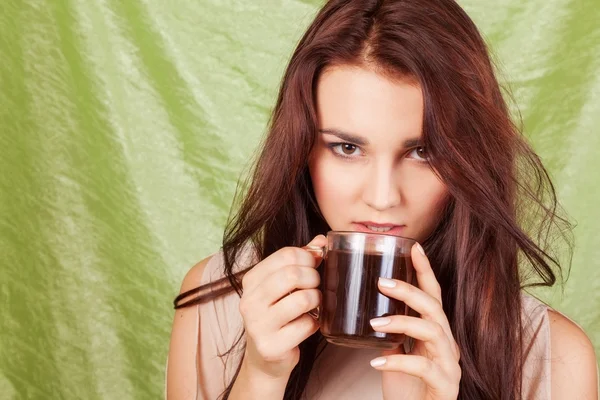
[(374, 227)]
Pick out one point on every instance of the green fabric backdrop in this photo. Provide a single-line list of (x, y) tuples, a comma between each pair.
[(125, 125)]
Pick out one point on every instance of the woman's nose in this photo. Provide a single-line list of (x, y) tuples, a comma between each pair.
[(381, 191)]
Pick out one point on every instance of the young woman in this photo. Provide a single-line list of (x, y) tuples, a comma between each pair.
[(389, 118)]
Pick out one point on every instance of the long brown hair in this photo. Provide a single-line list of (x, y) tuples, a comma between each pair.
[(495, 234)]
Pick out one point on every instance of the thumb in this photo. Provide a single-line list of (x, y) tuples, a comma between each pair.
[(318, 241), (315, 247)]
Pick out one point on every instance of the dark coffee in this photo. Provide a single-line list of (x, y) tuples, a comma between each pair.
[(351, 297)]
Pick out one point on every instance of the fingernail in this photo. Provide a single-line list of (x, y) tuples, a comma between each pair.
[(380, 321), (378, 362), (388, 283), (420, 249)]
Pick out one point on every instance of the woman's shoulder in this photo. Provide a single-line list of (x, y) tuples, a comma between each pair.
[(203, 333), (212, 268), (195, 276), (560, 343), (574, 366)]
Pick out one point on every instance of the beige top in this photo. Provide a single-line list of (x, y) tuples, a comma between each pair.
[(339, 373)]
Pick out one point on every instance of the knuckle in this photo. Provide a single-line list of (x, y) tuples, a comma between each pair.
[(319, 298), (455, 387), (426, 367), (457, 375), (452, 389), (243, 307), (438, 331), (315, 276), (439, 306), (293, 276), (247, 309), (304, 300), (246, 280), (411, 289), (309, 299), (307, 323), (438, 292), (290, 255), (295, 355), (435, 307), (457, 351)]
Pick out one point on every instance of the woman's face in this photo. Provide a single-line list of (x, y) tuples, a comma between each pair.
[(368, 168)]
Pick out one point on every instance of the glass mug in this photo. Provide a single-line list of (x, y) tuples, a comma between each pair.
[(352, 264)]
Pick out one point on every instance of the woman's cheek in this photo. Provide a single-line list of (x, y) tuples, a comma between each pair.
[(335, 183), (320, 176), (432, 211)]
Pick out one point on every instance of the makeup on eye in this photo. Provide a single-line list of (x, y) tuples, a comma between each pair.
[(346, 150), (361, 141), (421, 153), (351, 150)]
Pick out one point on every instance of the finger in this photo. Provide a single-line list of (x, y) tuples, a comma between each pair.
[(284, 281), (297, 331), (293, 306), (432, 334), (317, 247), (282, 257), (423, 368), (425, 276), (427, 306)]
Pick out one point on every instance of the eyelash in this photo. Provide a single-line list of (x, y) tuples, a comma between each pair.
[(333, 146)]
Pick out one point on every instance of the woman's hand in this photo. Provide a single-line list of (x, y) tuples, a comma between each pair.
[(431, 371), (277, 294)]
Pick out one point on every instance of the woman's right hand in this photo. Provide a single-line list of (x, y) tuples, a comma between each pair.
[(277, 295)]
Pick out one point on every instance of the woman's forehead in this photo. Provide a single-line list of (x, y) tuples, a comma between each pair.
[(365, 104)]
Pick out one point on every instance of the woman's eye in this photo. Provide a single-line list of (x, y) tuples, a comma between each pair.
[(345, 149), (419, 154)]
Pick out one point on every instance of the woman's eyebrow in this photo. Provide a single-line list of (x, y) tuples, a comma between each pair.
[(361, 141), (413, 142), (348, 137)]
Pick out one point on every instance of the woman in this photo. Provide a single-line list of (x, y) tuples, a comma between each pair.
[(389, 118)]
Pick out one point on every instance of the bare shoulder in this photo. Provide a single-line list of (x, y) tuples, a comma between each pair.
[(182, 364), (193, 277), (574, 368)]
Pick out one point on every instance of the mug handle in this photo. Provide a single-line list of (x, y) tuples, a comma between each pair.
[(316, 250)]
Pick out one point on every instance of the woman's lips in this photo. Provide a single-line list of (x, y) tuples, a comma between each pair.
[(388, 229)]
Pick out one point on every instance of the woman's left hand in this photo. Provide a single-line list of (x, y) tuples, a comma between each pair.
[(431, 371)]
